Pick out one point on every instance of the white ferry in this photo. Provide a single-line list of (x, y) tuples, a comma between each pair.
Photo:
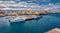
[(17, 19)]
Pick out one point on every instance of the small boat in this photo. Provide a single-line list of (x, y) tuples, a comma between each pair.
[(37, 17), (17, 19)]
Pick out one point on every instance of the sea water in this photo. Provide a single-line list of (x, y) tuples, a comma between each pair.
[(44, 24)]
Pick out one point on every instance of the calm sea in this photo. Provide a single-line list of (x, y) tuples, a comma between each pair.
[(44, 24)]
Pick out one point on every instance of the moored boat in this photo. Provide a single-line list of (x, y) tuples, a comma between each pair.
[(37, 17), (17, 19)]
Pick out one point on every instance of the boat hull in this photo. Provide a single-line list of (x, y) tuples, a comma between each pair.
[(17, 20)]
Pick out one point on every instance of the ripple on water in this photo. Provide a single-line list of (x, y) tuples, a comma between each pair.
[(34, 26)]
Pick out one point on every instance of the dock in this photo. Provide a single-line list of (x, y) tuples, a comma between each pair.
[(26, 17)]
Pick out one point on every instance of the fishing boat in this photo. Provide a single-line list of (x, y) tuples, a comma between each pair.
[(17, 19)]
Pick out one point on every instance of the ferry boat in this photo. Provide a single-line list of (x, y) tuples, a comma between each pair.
[(17, 19)]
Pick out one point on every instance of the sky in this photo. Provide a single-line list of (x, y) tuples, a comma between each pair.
[(37, 1), (53, 5)]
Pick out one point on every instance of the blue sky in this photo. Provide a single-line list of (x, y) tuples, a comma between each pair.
[(38, 1)]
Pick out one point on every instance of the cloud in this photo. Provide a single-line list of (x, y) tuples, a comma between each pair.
[(7, 1), (38, 1), (12, 5), (19, 6), (28, 4), (52, 7)]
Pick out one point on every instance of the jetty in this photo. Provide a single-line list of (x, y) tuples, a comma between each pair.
[(24, 17)]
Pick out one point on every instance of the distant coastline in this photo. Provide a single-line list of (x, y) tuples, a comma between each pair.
[(28, 12)]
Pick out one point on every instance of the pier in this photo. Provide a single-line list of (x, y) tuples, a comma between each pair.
[(25, 17)]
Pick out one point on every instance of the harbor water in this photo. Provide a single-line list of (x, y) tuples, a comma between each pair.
[(44, 24)]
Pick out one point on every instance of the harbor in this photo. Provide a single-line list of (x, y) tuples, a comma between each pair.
[(23, 17), (29, 22), (29, 16), (44, 24)]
